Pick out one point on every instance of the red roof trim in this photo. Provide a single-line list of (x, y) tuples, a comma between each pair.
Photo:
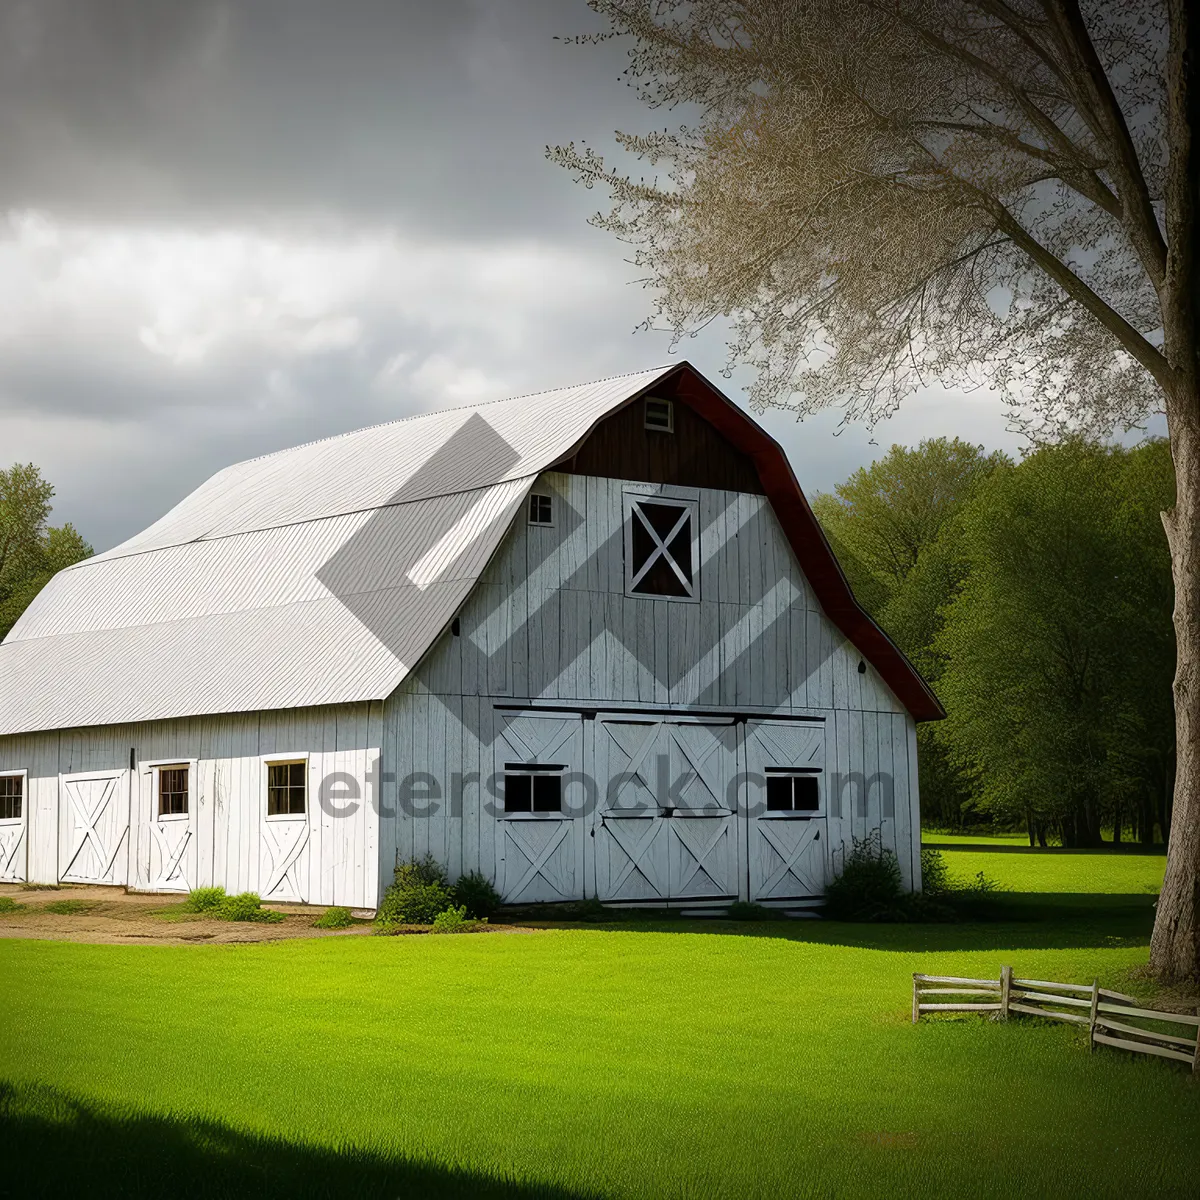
[(807, 539)]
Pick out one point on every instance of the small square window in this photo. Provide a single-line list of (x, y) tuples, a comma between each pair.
[(12, 797), (660, 415), (287, 789), (792, 791), (541, 511), (660, 548), (532, 789), (172, 791)]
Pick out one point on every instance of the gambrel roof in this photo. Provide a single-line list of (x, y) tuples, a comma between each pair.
[(322, 574)]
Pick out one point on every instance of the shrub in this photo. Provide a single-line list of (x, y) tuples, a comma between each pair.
[(476, 893), (870, 887), (935, 875), (9, 905), (334, 918), (419, 892), (740, 910), (455, 920), (205, 900), (246, 907)]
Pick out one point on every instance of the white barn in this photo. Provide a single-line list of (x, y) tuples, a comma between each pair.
[(590, 642)]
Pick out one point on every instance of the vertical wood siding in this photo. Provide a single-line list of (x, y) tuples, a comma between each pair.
[(550, 623), (227, 800)]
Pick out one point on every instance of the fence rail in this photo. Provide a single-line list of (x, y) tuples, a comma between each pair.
[(1106, 1014)]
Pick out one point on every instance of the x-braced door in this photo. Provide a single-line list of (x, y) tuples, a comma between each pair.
[(786, 827), (94, 827), (541, 811), (664, 828)]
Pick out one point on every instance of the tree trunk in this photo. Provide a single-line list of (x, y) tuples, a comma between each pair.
[(1175, 945), (1117, 818)]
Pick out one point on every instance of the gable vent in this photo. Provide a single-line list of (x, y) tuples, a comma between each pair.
[(660, 415)]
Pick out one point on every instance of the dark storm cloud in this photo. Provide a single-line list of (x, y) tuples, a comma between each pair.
[(433, 114)]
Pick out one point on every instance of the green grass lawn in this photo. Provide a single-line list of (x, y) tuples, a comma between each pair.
[(1054, 871), (668, 1059), (974, 839)]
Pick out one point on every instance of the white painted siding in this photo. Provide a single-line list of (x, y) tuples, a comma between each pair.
[(550, 623), (227, 799)]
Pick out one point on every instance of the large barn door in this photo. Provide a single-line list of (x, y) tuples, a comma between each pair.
[(93, 827), (540, 812), (786, 813), (664, 828)]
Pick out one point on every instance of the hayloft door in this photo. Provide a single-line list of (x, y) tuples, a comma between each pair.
[(94, 827), (786, 832), (540, 802)]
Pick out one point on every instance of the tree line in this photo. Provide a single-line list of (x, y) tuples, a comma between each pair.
[(31, 550), (1036, 597)]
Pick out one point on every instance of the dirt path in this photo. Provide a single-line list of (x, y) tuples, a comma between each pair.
[(114, 916)]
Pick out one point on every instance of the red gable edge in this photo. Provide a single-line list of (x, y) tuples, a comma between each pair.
[(803, 531)]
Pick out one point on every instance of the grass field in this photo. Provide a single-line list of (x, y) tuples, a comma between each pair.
[(1054, 871), (974, 839), (647, 1060)]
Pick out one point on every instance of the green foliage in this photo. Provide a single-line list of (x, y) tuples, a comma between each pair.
[(204, 900), (246, 906), (419, 892), (1058, 647), (741, 910), (334, 918), (69, 908), (475, 892), (935, 874), (869, 887), (30, 552), (455, 920), (9, 905)]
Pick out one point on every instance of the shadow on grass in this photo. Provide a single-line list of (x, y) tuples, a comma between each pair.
[(1008, 920), (57, 1145)]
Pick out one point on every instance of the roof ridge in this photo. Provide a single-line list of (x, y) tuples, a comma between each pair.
[(437, 412)]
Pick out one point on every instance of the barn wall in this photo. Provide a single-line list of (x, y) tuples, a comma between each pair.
[(550, 623), (337, 861)]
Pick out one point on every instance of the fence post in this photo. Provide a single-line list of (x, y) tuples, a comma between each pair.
[(916, 1001), (1005, 988), (1196, 1055), (1092, 1020)]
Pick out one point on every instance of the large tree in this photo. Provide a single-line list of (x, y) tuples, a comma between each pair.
[(896, 529), (1056, 647), (881, 193)]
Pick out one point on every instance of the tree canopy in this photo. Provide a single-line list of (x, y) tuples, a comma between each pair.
[(30, 551)]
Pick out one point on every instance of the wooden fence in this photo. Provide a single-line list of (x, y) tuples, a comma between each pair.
[(1112, 1018)]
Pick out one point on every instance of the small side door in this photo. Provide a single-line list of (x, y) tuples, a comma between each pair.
[(172, 825), (94, 827), (14, 824), (539, 813), (786, 810)]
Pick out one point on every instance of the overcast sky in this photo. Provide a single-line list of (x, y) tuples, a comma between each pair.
[(226, 228)]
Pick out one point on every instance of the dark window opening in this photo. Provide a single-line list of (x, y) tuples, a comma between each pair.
[(541, 512), (532, 789), (792, 792), (287, 789), (172, 791), (660, 415), (12, 796), (660, 549)]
